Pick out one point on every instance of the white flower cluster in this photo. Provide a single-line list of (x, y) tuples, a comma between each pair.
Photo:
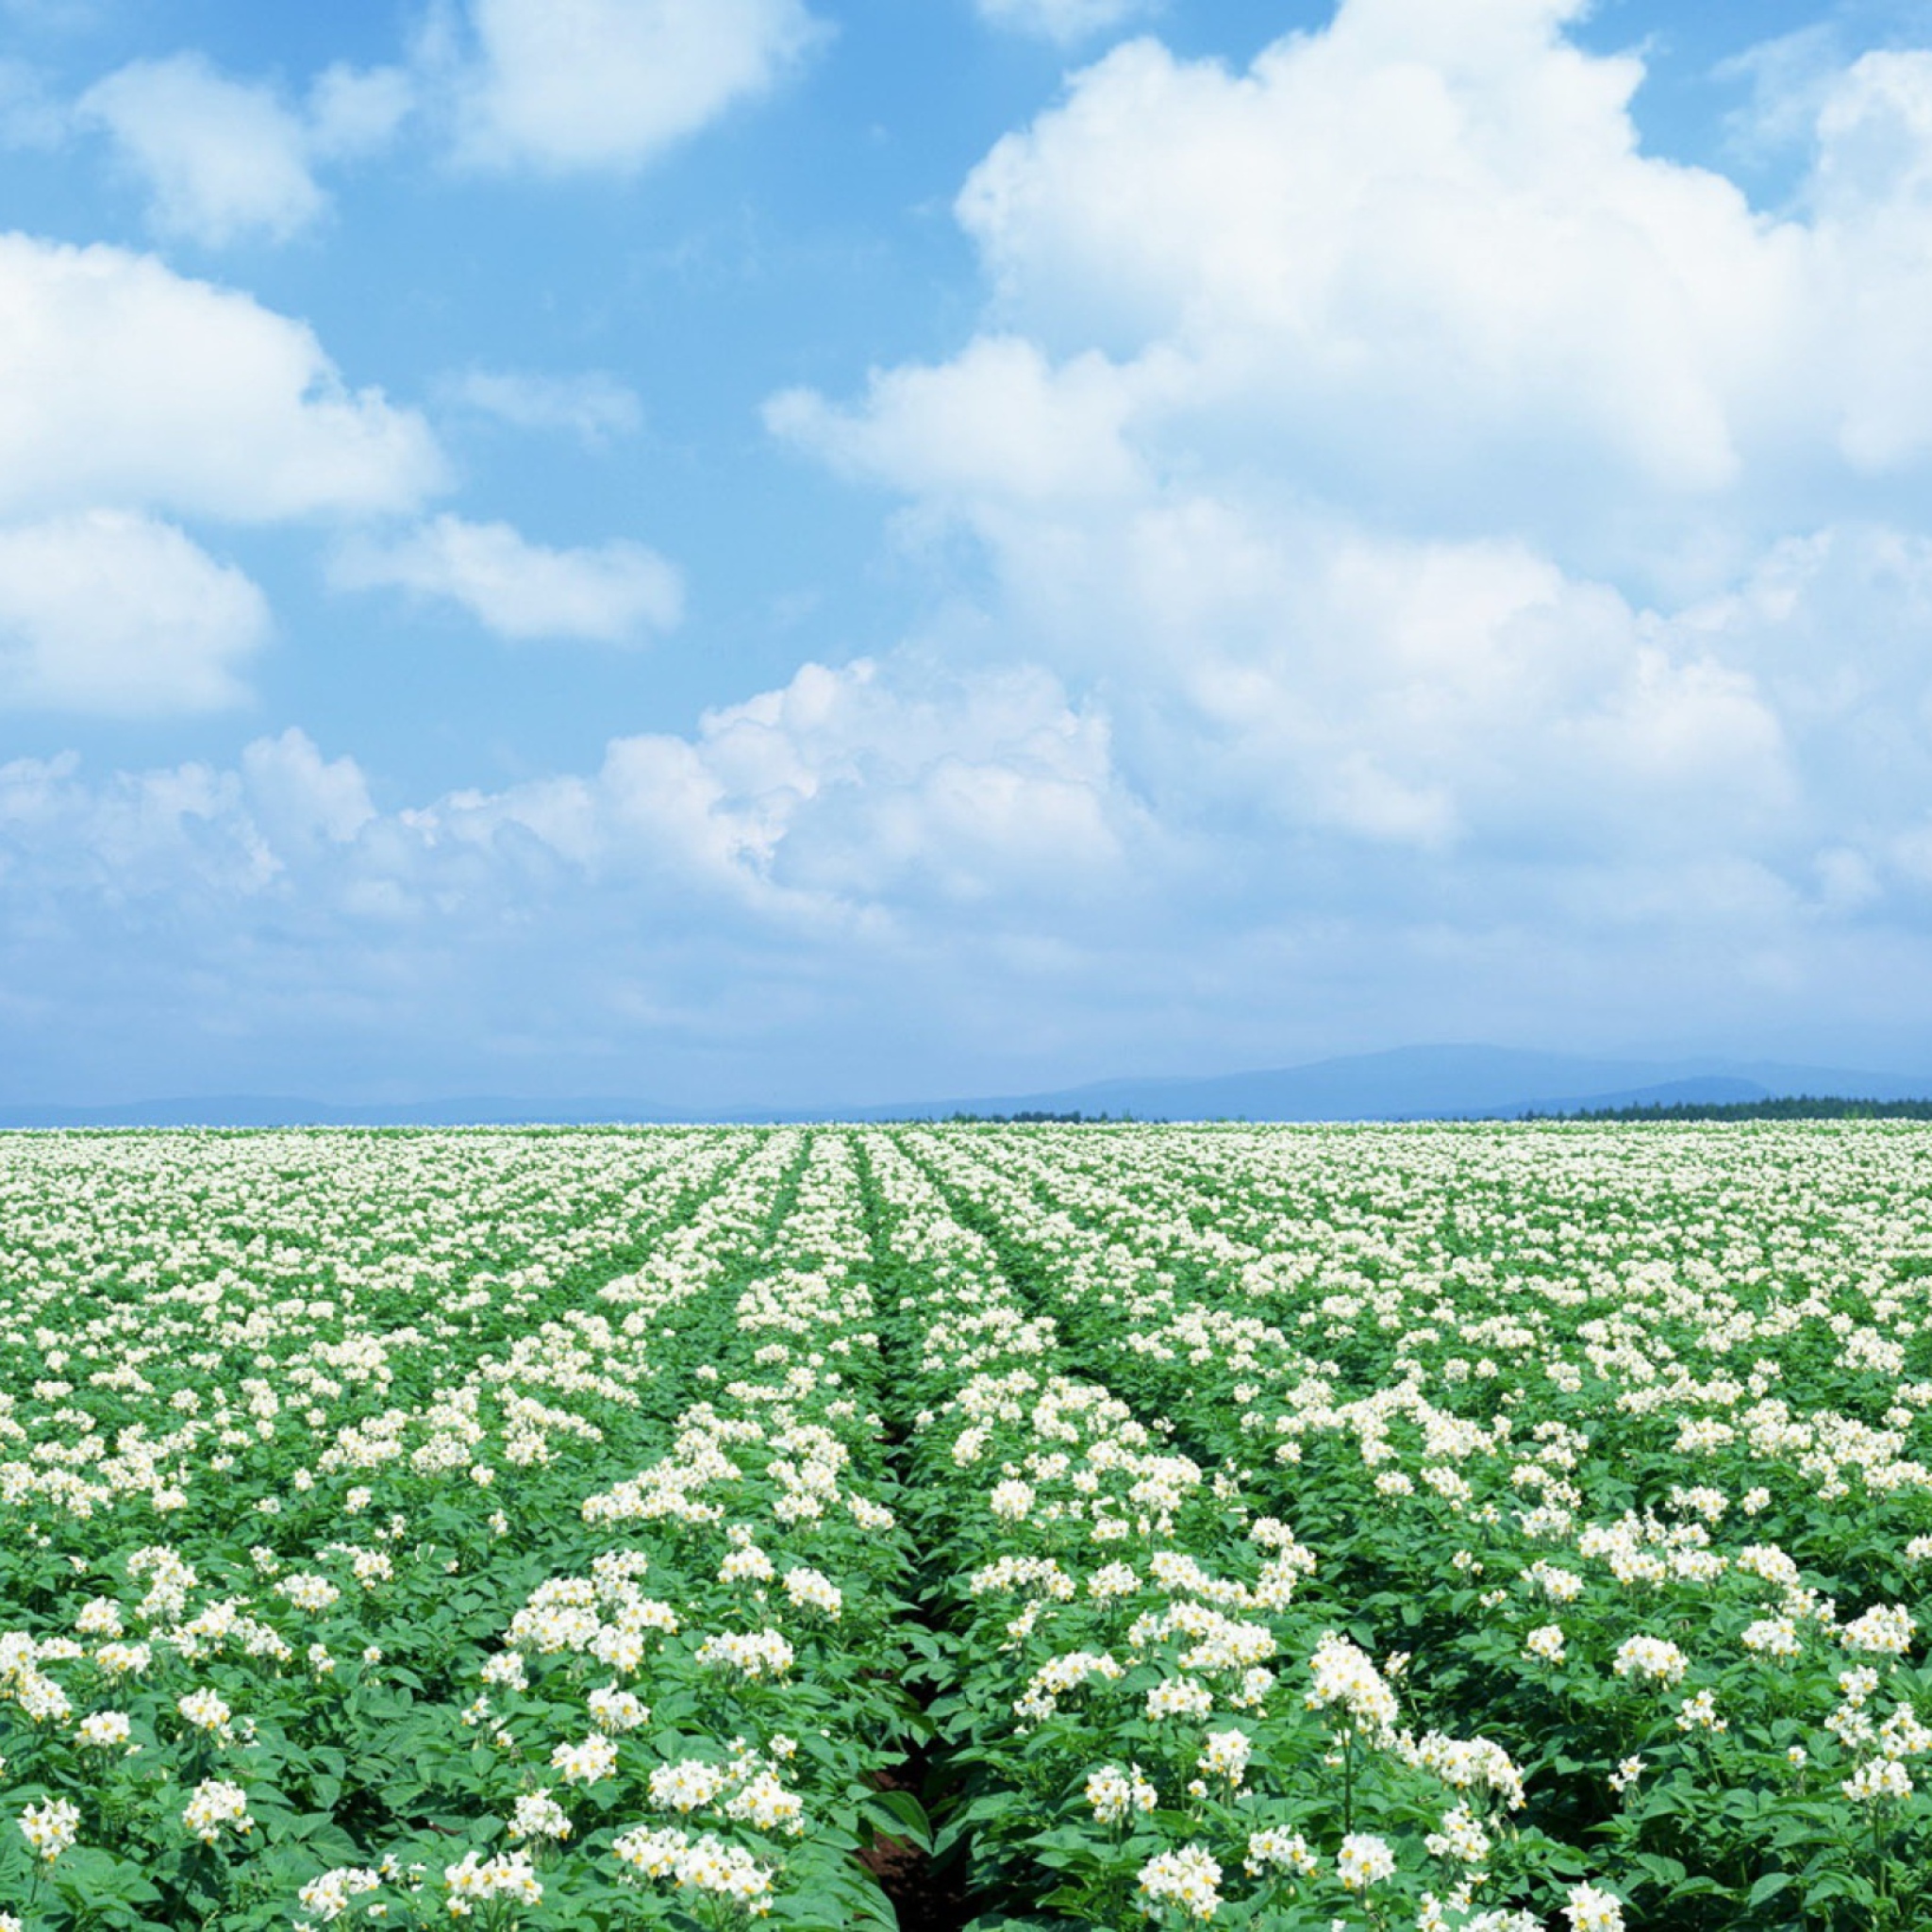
[(703, 1864), (1116, 1795), (1655, 1659), (50, 1827), (478, 1880), (213, 1804), (1345, 1675), (1187, 1880)]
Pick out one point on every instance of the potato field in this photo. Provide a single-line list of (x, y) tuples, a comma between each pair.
[(1483, 1527)]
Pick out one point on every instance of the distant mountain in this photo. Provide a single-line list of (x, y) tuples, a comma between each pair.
[(1410, 1083), (1444, 1083), (256, 1111)]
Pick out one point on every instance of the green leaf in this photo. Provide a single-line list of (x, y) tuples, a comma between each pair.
[(904, 1817)]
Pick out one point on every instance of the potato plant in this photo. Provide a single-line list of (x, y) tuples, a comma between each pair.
[(1478, 1528)]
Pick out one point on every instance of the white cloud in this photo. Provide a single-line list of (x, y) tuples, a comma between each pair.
[(1273, 353), (298, 796), (838, 803), (111, 613), (225, 161), (1420, 244), (859, 835), (1789, 79), (30, 115), (1412, 463), (222, 160), (570, 86), (1419, 264), (1064, 21), (131, 397), (124, 383), (998, 422), (887, 784), (618, 592), (1445, 567), (355, 112), (593, 407)]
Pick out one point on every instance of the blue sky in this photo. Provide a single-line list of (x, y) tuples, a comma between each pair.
[(737, 551)]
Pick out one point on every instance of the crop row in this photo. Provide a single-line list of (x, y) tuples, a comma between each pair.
[(1460, 1528), (1617, 1437)]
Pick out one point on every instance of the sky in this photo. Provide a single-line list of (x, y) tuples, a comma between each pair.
[(789, 552)]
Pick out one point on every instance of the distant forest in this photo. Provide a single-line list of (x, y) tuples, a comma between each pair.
[(1804, 1107)]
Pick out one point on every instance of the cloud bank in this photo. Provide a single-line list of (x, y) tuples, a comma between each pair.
[(581, 86), (614, 594), (1403, 562)]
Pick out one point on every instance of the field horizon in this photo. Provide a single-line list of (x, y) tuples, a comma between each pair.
[(1424, 1082)]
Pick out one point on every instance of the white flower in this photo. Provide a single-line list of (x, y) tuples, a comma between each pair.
[(1462, 1838), (1187, 1879), (757, 1654), (1774, 1637), (106, 1731), (585, 1763), (1363, 1861), (616, 1711), (330, 1894), (1116, 1795), (1654, 1658), (1882, 1777), (1345, 1675), (509, 1875), (1699, 1713), (1011, 1501), (1593, 1910), (765, 1804), (808, 1590), (206, 1712), (538, 1815), (1885, 1630), (1279, 1851), (687, 1785), (215, 1802), (1227, 1756), (51, 1827), (1178, 1697), (1545, 1642), (307, 1593)]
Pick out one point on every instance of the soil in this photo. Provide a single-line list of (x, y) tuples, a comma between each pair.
[(927, 1896)]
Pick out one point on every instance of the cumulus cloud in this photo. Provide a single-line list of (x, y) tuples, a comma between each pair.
[(1420, 261), (618, 593), (107, 612), (1064, 21), (1446, 573), (224, 160), (132, 397), (998, 422), (298, 798), (355, 112), (955, 864), (1272, 354), (845, 832), (593, 407), (122, 382), (1466, 521), (821, 801), (219, 159), (576, 86)]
